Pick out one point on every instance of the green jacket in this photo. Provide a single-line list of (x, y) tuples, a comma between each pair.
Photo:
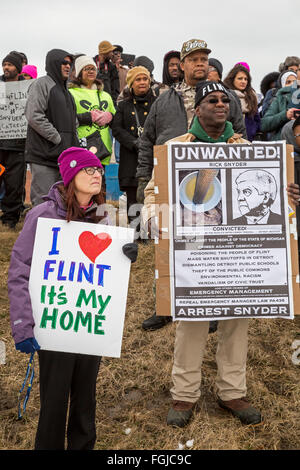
[(85, 101), (275, 117)]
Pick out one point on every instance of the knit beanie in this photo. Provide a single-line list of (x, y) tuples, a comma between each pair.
[(144, 62), (15, 59), (74, 159), (244, 64), (30, 70), (204, 88), (134, 72), (81, 62), (285, 76), (217, 65)]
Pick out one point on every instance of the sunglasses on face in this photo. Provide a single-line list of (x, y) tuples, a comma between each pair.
[(90, 170), (216, 100), (66, 62)]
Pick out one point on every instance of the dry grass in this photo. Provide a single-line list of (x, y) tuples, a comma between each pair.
[(133, 391)]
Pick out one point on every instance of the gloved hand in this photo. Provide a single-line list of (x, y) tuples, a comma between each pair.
[(95, 113), (131, 251), (29, 345), (101, 117), (140, 196)]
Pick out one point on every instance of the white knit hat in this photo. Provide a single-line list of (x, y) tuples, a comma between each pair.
[(81, 62)]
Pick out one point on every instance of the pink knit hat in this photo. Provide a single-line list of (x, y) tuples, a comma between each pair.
[(74, 159), (30, 70), (244, 64)]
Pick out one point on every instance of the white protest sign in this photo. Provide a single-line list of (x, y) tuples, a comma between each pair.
[(13, 97), (78, 286)]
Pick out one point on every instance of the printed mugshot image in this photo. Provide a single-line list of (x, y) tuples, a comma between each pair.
[(255, 197)]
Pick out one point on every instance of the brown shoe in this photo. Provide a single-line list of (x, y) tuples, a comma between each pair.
[(242, 409), (180, 413)]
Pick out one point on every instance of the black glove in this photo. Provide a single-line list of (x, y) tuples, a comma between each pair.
[(131, 251)]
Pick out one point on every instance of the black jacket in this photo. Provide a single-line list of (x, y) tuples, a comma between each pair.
[(124, 129), (108, 74), (167, 120), (51, 114)]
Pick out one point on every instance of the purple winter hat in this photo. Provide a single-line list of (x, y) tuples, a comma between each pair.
[(74, 159)]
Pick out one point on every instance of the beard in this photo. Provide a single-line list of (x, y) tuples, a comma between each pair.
[(10, 74)]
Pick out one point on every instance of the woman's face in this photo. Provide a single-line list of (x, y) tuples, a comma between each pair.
[(290, 80), (240, 81), (88, 185), (141, 85), (88, 74)]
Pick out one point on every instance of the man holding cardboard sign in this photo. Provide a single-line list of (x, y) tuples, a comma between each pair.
[(210, 125)]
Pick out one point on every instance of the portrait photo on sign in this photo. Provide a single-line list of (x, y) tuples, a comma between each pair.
[(198, 197), (256, 197)]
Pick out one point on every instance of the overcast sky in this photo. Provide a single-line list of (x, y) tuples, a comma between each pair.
[(262, 33)]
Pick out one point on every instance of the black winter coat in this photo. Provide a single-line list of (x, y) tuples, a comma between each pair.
[(51, 114), (124, 129)]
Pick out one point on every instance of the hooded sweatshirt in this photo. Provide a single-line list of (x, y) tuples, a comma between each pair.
[(51, 114)]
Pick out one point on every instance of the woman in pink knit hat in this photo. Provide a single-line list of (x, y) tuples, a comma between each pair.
[(29, 72), (64, 377)]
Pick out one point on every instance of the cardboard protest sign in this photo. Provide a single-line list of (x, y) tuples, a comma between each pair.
[(13, 97), (78, 286), (234, 254)]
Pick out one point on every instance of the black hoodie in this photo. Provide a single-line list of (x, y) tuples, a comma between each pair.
[(51, 114)]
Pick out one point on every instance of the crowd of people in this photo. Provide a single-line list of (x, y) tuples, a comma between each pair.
[(80, 113)]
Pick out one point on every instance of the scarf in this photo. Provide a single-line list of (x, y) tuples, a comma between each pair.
[(242, 98), (200, 134)]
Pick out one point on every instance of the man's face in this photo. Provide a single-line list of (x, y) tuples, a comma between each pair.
[(250, 201), (66, 67), (173, 68), (213, 109), (9, 71), (195, 67)]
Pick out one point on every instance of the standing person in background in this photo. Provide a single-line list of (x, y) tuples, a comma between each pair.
[(171, 115), (12, 155), (51, 116), (29, 72), (268, 88), (215, 72), (122, 71), (291, 63), (128, 126), (239, 80), (281, 109), (106, 70), (172, 73), (94, 108)]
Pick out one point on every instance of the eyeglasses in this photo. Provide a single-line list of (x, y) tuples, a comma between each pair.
[(212, 69), (66, 62), (215, 100), (89, 69), (90, 170)]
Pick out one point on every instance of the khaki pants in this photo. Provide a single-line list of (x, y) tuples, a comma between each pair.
[(231, 357)]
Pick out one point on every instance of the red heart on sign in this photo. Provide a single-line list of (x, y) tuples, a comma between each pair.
[(93, 245)]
